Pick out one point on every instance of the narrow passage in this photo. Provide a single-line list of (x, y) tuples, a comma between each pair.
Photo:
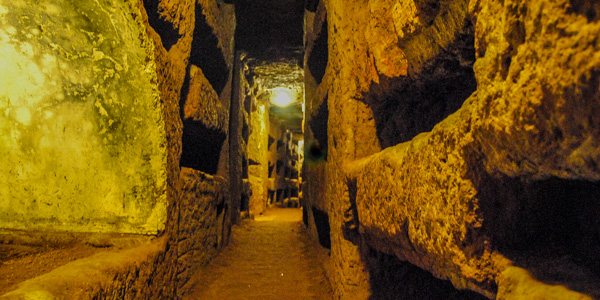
[(270, 257)]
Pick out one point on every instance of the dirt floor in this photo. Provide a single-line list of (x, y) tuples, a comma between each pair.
[(22, 262), (270, 257)]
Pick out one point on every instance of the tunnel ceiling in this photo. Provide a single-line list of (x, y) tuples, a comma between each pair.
[(270, 32), (269, 24)]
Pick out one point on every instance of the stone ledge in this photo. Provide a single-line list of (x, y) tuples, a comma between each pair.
[(420, 200), (86, 278)]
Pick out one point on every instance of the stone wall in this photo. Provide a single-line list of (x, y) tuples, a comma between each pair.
[(283, 164), (193, 55), (463, 140), (258, 160), (83, 139)]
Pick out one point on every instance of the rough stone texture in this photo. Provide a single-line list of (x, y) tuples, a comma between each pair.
[(123, 274), (221, 17), (258, 169), (348, 275), (202, 103), (316, 53), (202, 223), (198, 212), (83, 140), (315, 99), (275, 131), (500, 196), (283, 164), (237, 142), (195, 234)]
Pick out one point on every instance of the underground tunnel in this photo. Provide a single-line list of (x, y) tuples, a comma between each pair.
[(299, 149)]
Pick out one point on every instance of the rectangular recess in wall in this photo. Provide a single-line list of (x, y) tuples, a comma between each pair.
[(271, 167)]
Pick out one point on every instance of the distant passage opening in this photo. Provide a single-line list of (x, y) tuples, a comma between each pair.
[(169, 35), (550, 227), (207, 55), (405, 106), (319, 55)]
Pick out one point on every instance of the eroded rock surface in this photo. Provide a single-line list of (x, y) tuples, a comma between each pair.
[(500, 181), (82, 132), (169, 77)]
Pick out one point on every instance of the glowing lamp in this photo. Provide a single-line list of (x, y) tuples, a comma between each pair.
[(282, 96)]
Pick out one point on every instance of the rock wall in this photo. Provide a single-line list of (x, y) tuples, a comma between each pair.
[(83, 138), (195, 80), (192, 43), (463, 140), (258, 160), (283, 165), (203, 225)]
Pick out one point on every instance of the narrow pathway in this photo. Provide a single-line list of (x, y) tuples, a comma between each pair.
[(270, 257)]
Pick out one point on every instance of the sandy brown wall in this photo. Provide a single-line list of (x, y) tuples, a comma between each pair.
[(463, 140), (195, 80), (193, 53), (82, 137)]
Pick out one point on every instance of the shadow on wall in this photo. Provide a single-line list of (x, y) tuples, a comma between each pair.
[(319, 55), (169, 35), (323, 230), (550, 227), (317, 152), (200, 145), (406, 106), (588, 8), (207, 55), (392, 279)]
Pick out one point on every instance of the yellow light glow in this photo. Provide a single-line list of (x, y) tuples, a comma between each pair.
[(282, 96), (23, 115)]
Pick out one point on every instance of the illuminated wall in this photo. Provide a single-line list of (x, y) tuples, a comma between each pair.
[(257, 154), (82, 142)]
